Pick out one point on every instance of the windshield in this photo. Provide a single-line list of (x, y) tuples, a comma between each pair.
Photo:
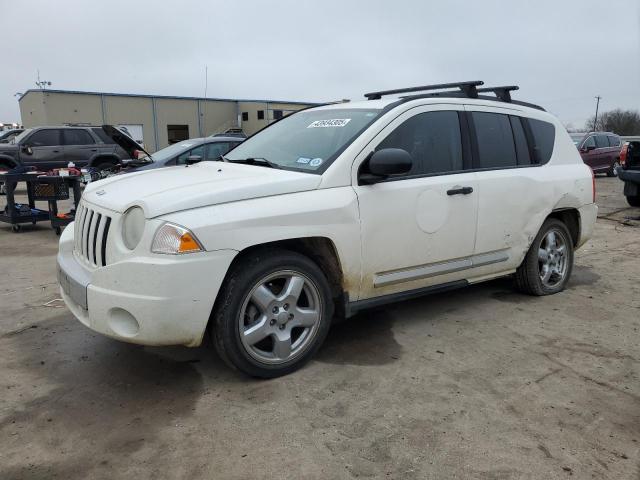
[(19, 138), (172, 150), (307, 141), (576, 137)]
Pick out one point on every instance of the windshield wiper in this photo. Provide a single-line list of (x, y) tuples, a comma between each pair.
[(254, 161)]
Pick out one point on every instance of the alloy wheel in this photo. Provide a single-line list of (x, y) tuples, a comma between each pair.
[(279, 317), (552, 258)]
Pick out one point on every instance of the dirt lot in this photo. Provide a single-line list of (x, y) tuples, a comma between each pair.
[(478, 383)]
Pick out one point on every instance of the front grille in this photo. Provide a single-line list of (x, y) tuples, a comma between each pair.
[(91, 234)]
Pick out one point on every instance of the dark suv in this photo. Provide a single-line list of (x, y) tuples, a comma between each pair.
[(629, 173), (54, 147), (599, 150)]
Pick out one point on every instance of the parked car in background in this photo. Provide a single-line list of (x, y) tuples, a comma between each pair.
[(210, 148), (231, 132), (629, 172), (599, 150), (7, 135), (53, 147), (336, 208)]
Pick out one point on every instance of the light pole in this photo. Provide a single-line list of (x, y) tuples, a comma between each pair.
[(595, 121)]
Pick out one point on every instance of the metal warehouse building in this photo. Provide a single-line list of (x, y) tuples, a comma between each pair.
[(155, 121)]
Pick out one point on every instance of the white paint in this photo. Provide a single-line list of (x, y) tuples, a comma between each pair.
[(398, 226)]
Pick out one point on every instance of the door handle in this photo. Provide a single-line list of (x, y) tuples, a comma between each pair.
[(460, 191), (94, 149)]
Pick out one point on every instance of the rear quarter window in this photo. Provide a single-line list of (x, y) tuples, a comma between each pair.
[(614, 141), (543, 136)]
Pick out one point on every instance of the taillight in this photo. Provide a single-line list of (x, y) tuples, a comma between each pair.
[(593, 185), (623, 154)]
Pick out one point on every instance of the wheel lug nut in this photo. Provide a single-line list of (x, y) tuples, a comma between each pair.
[(272, 322), (290, 316), (286, 306), (281, 327), (275, 310)]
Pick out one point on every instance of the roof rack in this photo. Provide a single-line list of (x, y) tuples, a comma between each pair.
[(503, 93), (468, 88), (464, 90)]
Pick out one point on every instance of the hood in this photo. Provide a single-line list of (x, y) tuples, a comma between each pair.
[(11, 148), (124, 140), (166, 190)]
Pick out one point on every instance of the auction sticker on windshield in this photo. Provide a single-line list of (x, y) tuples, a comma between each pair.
[(336, 122)]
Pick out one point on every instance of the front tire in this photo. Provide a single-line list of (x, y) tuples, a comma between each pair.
[(547, 266), (633, 200), (273, 313)]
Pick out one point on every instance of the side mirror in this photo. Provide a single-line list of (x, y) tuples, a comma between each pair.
[(191, 159), (385, 163), (26, 149)]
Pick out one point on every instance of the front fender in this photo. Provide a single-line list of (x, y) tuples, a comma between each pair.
[(328, 213)]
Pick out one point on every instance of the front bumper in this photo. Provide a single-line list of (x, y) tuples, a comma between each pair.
[(154, 300)]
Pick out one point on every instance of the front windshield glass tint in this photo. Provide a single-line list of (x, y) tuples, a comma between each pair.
[(309, 140), (19, 138), (172, 150)]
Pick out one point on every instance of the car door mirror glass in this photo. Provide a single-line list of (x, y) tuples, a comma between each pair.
[(191, 159), (385, 163), (26, 149)]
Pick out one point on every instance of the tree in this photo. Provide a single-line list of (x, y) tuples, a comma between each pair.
[(622, 122)]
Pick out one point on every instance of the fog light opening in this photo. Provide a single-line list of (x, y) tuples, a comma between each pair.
[(123, 323)]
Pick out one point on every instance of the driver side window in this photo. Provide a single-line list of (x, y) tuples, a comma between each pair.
[(589, 142), (182, 159), (432, 139)]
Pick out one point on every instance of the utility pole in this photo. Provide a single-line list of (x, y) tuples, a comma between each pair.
[(42, 84), (595, 121)]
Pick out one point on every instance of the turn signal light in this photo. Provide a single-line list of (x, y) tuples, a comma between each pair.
[(173, 239)]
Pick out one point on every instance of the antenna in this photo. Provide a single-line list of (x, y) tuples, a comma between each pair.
[(42, 84)]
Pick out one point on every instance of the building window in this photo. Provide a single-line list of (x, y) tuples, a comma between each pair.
[(177, 133), (260, 114), (245, 116), (277, 114)]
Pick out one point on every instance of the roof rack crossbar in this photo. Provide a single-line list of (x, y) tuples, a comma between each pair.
[(503, 93), (468, 88)]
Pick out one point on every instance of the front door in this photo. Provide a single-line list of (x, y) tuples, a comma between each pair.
[(44, 150), (418, 230)]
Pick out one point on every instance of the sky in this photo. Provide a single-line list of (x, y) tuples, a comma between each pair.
[(562, 53)]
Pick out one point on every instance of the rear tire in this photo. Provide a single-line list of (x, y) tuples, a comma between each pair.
[(634, 200), (105, 166), (272, 314), (547, 267)]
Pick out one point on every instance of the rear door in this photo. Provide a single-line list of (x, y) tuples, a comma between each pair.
[(79, 146), (418, 229), (511, 184), (46, 150)]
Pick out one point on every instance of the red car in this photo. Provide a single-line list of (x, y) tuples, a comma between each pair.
[(599, 150)]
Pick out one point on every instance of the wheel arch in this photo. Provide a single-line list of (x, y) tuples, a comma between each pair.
[(321, 250), (6, 160), (571, 218)]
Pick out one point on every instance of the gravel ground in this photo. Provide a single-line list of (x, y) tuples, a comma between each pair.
[(477, 383)]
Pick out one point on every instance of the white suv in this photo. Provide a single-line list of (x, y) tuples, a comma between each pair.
[(329, 211)]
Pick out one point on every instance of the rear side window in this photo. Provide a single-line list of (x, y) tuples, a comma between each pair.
[(77, 137), (601, 141), (496, 147), (544, 136), (45, 138), (433, 140), (614, 141), (103, 136)]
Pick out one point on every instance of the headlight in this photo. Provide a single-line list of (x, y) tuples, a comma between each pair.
[(172, 239), (132, 227)]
